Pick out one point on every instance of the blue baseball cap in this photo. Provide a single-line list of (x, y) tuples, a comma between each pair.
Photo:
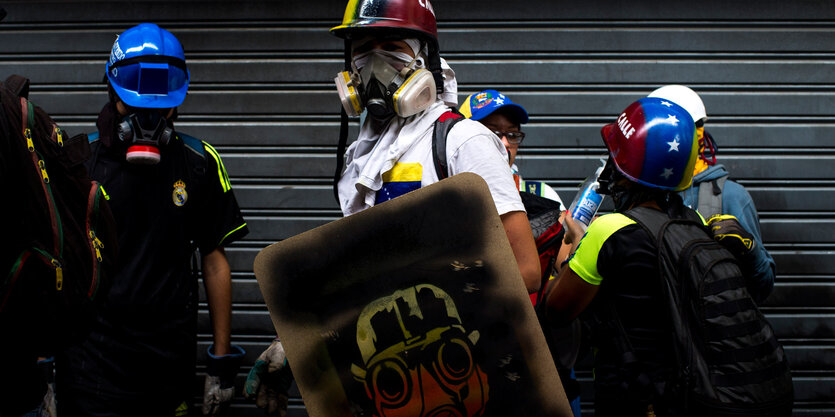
[(484, 103)]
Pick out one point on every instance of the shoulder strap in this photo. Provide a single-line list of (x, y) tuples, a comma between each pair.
[(653, 221), (439, 140), (193, 144), (710, 197), (195, 151), (94, 139)]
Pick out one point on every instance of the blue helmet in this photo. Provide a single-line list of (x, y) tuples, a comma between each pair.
[(147, 68)]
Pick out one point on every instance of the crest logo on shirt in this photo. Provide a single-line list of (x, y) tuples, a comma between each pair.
[(179, 196)]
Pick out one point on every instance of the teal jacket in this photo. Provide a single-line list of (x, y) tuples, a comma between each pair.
[(737, 202)]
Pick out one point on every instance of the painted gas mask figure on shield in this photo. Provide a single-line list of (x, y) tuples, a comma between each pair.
[(417, 357)]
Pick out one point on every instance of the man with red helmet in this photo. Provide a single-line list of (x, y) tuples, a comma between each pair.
[(395, 77), (395, 73)]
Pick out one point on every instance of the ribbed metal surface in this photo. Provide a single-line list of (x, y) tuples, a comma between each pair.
[(261, 93)]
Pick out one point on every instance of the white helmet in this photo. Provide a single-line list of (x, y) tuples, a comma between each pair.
[(684, 97)]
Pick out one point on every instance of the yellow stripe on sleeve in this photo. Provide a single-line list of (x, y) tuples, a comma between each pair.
[(221, 170), (230, 233)]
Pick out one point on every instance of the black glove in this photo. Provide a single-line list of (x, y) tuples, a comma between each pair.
[(727, 231), (219, 387), (269, 380)]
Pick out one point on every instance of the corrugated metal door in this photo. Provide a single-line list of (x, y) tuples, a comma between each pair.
[(261, 93)]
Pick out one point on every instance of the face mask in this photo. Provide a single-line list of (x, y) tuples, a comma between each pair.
[(145, 132), (377, 85), (609, 180)]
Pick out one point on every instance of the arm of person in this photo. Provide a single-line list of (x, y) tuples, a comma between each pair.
[(566, 249), (568, 295), (519, 234), (472, 148), (217, 279), (760, 261)]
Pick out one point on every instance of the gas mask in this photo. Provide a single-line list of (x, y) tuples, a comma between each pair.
[(145, 131), (429, 369), (375, 84)]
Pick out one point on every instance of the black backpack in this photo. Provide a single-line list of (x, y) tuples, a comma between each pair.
[(60, 237), (729, 362)]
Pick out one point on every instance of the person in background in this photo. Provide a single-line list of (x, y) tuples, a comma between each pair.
[(713, 193), (170, 194), (505, 119)]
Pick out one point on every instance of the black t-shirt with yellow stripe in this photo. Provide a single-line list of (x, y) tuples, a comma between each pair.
[(619, 256), (146, 333)]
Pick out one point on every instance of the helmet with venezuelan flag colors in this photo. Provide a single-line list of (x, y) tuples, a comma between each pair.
[(147, 68), (411, 18), (653, 142)]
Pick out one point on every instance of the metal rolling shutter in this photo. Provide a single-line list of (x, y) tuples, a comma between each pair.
[(261, 93)]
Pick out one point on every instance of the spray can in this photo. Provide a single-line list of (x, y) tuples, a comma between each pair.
[(588, 200)]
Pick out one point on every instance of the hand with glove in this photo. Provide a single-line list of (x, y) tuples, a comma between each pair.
[(47, 368), (219, 387), (727, 231), (269, 380)]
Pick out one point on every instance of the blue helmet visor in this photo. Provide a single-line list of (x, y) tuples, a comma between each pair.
[(150, 81)]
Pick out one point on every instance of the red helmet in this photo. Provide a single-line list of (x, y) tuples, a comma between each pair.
[(412, 18), (407, 18)]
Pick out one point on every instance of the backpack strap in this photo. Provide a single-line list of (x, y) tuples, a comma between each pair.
[(439, 140), (193, 144), (651, 220), (195, 159), (710, 197)]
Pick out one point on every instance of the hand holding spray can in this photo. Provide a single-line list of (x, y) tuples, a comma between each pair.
[(588, 200)]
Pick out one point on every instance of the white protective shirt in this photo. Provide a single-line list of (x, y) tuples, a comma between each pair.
[(392, 158)]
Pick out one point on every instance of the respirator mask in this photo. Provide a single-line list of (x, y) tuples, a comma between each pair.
[(144, 131), (376, 84), (610, 184)]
